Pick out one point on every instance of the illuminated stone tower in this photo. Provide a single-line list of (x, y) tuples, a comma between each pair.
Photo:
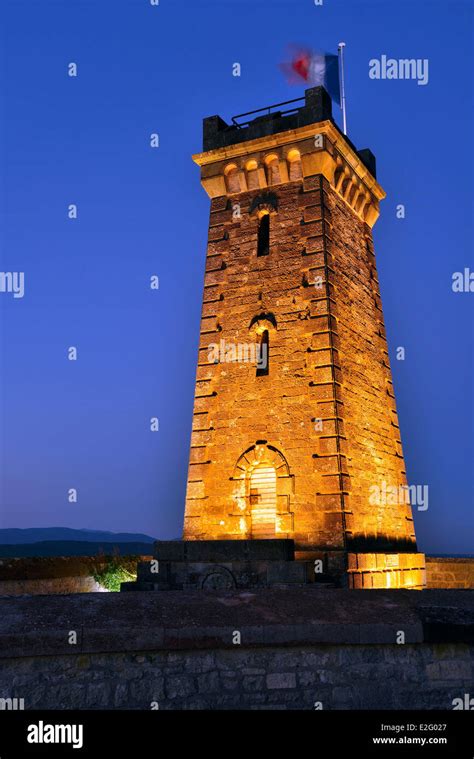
[(295, 429)]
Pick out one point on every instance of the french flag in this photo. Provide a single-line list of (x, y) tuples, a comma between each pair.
[(315, 69)]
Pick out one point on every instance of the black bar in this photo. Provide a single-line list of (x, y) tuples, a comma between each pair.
[(405, 734)]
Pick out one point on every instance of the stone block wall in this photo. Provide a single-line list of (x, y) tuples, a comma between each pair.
[(305, 677), (234, 409), (63, 575), (324, 416), (327, 404), (377, 570), (58, 574), (267, 649), (449, 572), (368, 409)]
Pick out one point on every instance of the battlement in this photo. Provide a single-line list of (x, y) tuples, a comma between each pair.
[(285, 146), (314, 107)]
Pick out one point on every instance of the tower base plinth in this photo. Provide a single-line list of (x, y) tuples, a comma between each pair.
[(370, 571), (247, 564), (227, 565)]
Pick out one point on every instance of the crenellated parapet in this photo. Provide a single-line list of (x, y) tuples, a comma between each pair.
[(270, 160)]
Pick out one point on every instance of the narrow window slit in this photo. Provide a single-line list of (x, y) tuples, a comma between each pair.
[(263, 358), (263, 242)]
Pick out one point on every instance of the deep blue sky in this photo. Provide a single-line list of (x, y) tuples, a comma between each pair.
[(144, 69)]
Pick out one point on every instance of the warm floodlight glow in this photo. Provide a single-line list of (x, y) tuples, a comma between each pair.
[(263, 501)]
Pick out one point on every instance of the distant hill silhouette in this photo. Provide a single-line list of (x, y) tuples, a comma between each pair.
[(74, 548), (65, 541), (14, 535)]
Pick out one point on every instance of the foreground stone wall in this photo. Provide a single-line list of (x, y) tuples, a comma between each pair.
[(268, 649), (307, 677)]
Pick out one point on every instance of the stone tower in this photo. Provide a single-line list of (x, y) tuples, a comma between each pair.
[(295, 429)]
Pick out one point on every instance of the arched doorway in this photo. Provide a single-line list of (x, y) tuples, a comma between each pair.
[(263, 501), (262, 493)]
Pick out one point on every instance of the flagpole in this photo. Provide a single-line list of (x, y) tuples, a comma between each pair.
[(340, 50)]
